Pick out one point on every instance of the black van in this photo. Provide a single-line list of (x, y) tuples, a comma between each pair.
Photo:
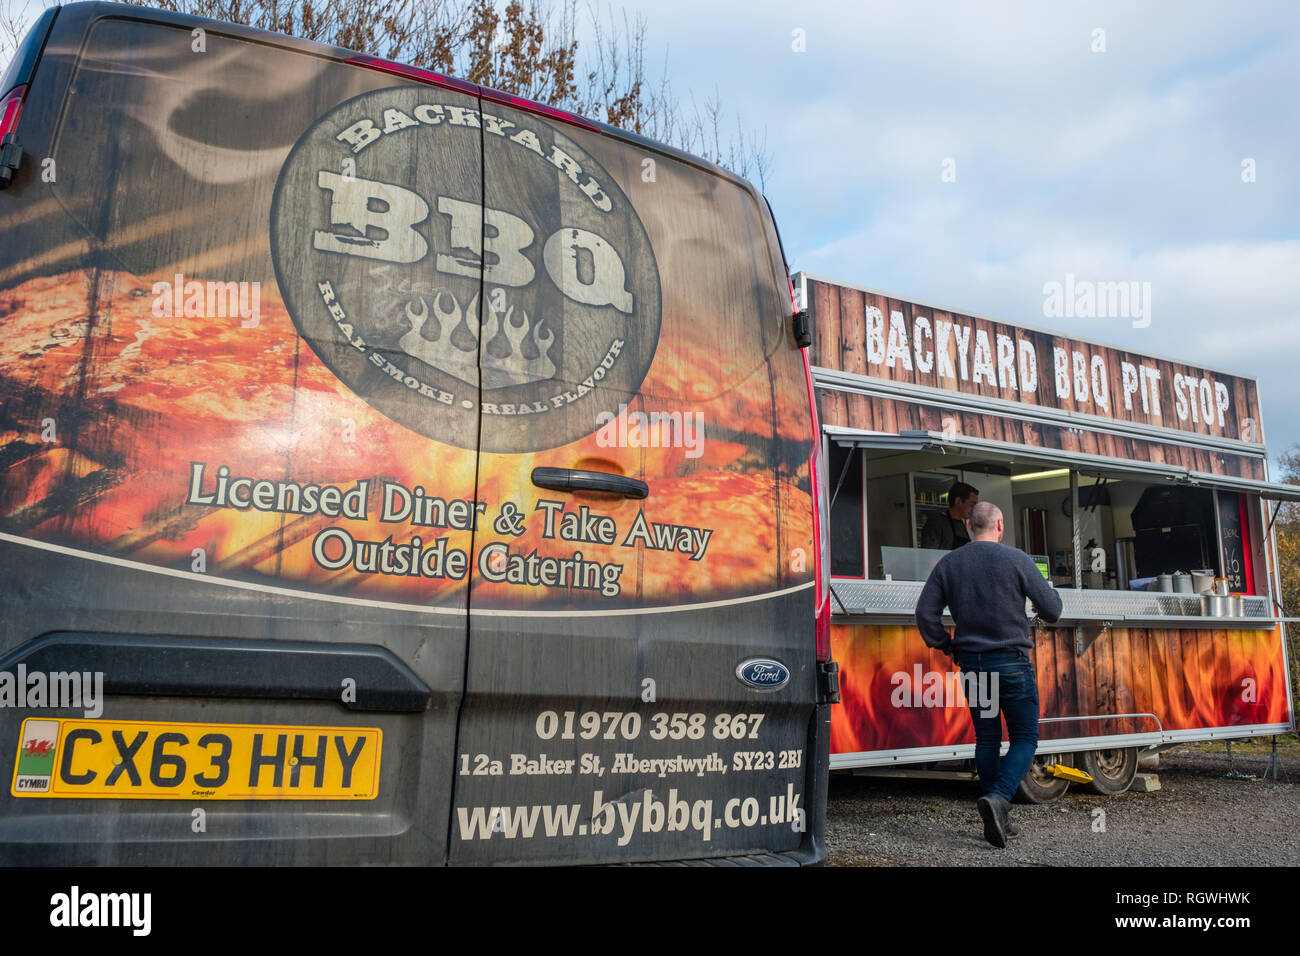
[(391, 471)]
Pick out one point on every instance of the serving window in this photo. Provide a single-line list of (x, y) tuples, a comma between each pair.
[(1085, 527)]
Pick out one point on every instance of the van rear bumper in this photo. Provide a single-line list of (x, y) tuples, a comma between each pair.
[(756, 859)]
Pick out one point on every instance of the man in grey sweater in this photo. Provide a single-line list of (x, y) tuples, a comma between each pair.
[(985, 585)]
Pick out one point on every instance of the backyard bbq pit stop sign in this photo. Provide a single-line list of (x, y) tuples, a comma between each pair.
[(539, 306)]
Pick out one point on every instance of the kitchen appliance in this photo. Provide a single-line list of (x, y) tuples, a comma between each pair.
[(1173, 528)]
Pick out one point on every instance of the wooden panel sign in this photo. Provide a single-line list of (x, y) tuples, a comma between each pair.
[(872, 334)]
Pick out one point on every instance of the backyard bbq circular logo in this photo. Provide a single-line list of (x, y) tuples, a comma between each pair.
[(536, 304)]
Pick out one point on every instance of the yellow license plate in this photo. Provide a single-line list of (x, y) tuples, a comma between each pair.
[(170, 761)]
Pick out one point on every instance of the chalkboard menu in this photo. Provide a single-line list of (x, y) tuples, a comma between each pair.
[(1231, 546)]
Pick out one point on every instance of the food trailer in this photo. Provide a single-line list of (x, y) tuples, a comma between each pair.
[(1136, 482)]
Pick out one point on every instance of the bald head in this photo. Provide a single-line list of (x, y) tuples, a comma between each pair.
[(986, 522)]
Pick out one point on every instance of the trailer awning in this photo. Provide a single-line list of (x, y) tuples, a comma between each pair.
[(1272, 490), (1030, 454), (1100, 465)]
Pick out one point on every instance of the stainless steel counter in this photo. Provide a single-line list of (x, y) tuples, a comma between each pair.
[(894, 602)]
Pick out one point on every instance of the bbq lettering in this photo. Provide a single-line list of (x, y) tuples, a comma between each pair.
[(1032, 367), (500, 257)]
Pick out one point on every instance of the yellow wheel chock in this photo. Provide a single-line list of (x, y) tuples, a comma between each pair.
[(1073, 774)]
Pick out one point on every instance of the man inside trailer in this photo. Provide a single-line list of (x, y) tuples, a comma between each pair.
[(946, 530), (984, 586)]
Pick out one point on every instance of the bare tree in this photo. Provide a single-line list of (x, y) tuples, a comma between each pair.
[(533, 52), (619, 93), (14, 22), (1287, 525), (531, 49)]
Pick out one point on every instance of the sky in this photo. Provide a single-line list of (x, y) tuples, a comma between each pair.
[(966, 154)]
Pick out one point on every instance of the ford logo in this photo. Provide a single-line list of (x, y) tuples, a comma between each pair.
[(762, 673)]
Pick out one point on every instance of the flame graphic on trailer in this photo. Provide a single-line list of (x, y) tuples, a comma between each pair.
[(1188, 679)]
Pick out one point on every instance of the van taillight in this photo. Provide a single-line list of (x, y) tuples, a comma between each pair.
[(11, 154), (821, 516), (11, 107)]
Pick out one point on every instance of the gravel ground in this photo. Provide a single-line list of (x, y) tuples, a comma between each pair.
[(1199, 817)]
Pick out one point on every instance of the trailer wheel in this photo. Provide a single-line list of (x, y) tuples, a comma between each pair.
[(1040, 785), (1112, 771)]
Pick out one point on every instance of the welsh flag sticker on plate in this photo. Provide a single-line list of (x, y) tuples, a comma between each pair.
[(36, 756)]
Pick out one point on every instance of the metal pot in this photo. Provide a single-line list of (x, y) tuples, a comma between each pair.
[(1216, 605), (1183, 583), (1165, 583), (1237, 603)]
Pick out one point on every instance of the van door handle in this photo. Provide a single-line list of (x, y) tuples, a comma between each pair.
[(574, 479)]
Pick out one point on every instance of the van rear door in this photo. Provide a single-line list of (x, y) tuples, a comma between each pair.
[(641, 666), (235, 483)]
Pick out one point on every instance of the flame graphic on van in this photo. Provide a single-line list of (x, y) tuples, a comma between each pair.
[(514, 351), (274, 408)]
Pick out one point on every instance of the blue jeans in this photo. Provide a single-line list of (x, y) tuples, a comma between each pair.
[(1015, 696)]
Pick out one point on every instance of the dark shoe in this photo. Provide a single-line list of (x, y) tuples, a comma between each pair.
[(1011, 828), (993, 810)]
